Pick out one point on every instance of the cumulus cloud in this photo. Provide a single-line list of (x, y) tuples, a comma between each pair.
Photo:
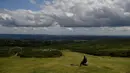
[(71, 13), (25, 18)]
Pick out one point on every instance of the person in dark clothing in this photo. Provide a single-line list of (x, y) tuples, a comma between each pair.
[(84, 61)]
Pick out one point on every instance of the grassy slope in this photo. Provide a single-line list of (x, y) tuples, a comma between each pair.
[(62, 64)]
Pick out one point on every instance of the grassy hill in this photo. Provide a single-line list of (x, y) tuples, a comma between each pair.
[(97, 64)]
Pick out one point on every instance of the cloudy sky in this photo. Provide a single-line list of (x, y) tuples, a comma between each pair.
[(65, 17)]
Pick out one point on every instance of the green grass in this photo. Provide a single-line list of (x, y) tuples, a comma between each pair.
[(62, 64)]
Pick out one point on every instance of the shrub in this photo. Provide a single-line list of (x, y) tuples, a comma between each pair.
[(113, 53), (4, 52), (39, 53)]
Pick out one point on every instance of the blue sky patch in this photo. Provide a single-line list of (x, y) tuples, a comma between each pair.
[(19, 4)]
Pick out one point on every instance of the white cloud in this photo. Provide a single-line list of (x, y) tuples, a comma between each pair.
[(71, 13), (70, 29)]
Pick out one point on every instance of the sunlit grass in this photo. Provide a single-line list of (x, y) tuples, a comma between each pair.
[(62, 64)]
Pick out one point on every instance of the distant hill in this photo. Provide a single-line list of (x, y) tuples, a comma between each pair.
[(56, 37)]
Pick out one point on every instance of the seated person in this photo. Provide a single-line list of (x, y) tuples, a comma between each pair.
[(84, 61)]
